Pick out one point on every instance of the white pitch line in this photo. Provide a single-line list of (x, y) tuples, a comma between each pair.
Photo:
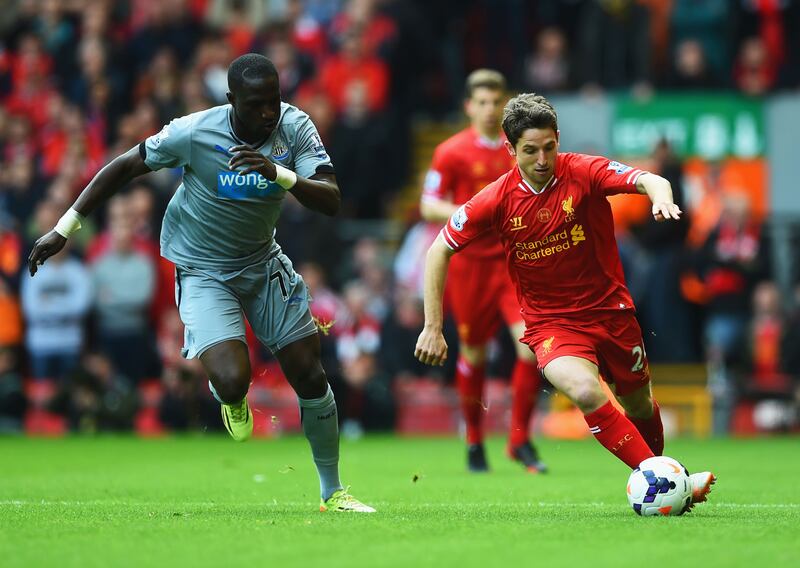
[(542, 504)]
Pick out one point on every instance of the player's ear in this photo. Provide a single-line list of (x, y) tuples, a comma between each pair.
[(558, 137), (510, 148), (230, 97)]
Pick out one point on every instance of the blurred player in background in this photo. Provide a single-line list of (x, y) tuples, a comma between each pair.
[(481, 294), (239, 161), (551, 214)]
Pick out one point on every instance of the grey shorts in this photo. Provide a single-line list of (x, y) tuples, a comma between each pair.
[(213, 305)]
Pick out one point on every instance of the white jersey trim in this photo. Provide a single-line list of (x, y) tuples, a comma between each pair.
[(448, 239), (635, 175), (525, 186)]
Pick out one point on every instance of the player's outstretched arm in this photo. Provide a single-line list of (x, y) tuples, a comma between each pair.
[(320, 192), (659, 190), (115, 175), (431, 347)]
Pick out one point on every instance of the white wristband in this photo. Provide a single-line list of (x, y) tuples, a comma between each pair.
[(285, 177), (69, 223)]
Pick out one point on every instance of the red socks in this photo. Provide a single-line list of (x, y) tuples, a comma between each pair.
[(525, 382), (618, 435), (652, 430), (469, 381)]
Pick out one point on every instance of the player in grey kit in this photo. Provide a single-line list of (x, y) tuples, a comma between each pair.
[(239, 160)]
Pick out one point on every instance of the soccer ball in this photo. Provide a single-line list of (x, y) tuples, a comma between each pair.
[(660, 486)]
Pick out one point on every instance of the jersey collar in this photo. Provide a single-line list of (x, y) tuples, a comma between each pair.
[(526, 187), (485, 142)]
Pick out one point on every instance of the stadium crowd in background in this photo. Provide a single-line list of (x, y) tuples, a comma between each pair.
[(84, 80)]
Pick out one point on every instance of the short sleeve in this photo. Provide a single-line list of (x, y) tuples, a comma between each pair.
[(439, 179), (170, 148), (609, 177), (471, 219), (309, 151)]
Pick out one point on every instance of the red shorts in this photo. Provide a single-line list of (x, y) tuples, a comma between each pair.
[(481, 296), (612, 341)]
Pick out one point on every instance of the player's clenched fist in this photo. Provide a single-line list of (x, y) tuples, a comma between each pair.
[(250, 160), (431, 347)]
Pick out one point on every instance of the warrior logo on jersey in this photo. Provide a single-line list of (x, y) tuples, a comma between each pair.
[(516, 224), (279, 149), (569, 211), (459, 218), (618, 168)]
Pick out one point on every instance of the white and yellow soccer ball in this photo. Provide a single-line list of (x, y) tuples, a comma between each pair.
[(660, 486)]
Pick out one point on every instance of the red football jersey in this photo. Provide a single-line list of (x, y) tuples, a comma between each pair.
[(463, 165), (559, 242)]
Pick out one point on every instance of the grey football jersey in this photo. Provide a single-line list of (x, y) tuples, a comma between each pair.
[(218, 218)]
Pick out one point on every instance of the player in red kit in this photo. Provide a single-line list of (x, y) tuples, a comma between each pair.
[(481, 294), (552, 217)]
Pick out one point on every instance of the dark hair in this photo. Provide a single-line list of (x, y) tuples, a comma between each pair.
[(525, 111), (249, 67), (486, 78)]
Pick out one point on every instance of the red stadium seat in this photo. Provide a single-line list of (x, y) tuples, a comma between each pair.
[(39, 420), (425, 406)]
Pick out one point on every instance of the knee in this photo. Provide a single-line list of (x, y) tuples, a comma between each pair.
[(588, 396), (311, 384), (231, 383)]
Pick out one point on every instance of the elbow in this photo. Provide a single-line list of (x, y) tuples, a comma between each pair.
[(434, 212)]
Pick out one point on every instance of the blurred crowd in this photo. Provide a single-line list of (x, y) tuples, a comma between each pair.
[(704, 291), (84, 80)]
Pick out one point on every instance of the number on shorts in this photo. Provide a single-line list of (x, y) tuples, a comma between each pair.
[(277, 275), (639, 353)]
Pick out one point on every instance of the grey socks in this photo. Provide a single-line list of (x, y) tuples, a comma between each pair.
[(320, 425)]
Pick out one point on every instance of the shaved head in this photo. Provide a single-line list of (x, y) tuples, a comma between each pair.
[(249, 68)]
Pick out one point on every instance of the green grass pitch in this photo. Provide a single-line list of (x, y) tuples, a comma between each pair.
[(207, 501)]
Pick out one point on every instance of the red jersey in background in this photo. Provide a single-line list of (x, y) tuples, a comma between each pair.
[(462, 166)]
